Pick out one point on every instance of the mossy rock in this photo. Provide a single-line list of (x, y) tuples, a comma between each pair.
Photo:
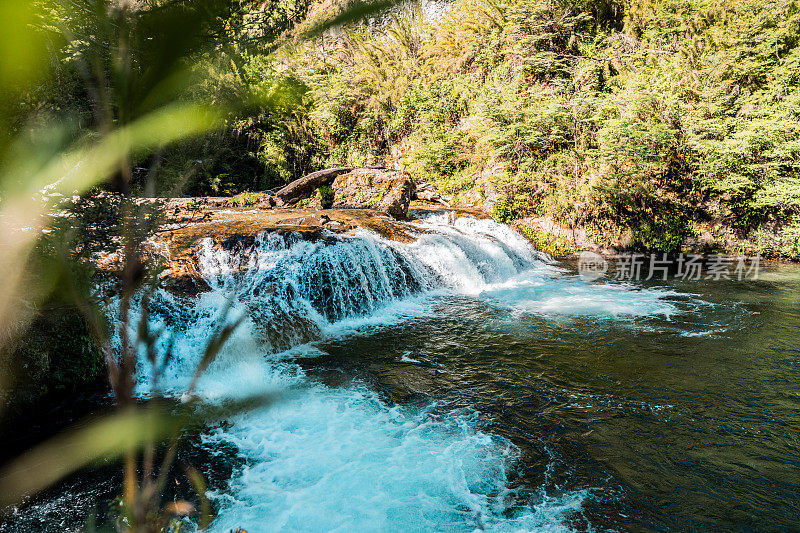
[(367, 188), (56, 355)]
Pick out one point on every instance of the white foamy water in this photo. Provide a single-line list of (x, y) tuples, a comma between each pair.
[(569, 296), (342, 459)]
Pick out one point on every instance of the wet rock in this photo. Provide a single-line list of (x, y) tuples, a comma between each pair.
[(426, 193), (317, 221), (186, 284), (268, 202)]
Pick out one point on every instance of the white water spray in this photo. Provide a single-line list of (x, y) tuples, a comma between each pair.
[(343, 459)]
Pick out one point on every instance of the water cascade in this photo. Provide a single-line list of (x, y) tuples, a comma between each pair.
[(344, 458)]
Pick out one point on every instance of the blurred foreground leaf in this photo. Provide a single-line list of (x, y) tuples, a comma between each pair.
[(31, 187), (109, 438), (353, 13)]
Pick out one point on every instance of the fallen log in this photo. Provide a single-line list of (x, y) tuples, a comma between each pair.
[(305, 186)]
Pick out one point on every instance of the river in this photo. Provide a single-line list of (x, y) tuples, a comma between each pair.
[(466, 382)]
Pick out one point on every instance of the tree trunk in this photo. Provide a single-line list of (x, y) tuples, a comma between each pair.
[(305, 186)]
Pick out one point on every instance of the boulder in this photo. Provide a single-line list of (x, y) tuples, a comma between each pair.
[(370, 188)]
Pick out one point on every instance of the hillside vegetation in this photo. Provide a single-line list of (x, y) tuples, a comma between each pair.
[(647, 121), (650, 123)]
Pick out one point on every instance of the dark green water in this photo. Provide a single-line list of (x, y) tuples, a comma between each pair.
[(669, 406), (686, 422)]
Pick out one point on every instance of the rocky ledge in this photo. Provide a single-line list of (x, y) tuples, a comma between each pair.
[(228, 223)]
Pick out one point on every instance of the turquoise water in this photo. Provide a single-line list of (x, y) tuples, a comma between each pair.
[(683, 420), (465, 382)]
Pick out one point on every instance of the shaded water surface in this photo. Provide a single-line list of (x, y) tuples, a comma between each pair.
[(464, 382), (684, 421)]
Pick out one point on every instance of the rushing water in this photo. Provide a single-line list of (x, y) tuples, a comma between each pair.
[(466, 382)]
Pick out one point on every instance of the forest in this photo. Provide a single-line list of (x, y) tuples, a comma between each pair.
[(646, 122), (645, 126)]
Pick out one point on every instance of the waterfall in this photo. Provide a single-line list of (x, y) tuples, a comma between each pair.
[(292, 289), (343, 458)]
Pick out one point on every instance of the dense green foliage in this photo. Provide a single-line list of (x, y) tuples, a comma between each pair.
[(650, 121), (645, 121), (60, 358)]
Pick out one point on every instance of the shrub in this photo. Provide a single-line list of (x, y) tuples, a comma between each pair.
[(790, 240), (663, 232), (325, 196), (246, 199), (555, 245), (507, 210)]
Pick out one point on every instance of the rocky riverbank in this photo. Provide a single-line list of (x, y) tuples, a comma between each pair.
[(194, 219)]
